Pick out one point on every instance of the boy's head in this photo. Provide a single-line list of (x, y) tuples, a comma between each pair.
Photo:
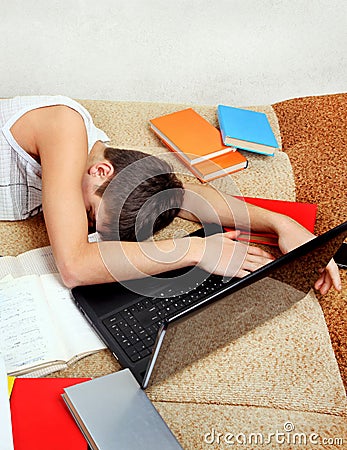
[(140, 197)]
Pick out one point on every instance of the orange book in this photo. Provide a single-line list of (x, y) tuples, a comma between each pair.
[(216, 167), (190, 134), (303, 213), (198, 144)]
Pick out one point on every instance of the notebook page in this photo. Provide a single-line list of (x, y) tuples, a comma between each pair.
[(26, 332), (77, 334), (38, 261), (6, 278), (10, 265)]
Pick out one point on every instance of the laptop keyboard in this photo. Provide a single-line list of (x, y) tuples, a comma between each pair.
[(135, 328)]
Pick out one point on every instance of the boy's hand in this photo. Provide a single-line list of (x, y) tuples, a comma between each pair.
[(293, 235), (224, 256), (330, 276)]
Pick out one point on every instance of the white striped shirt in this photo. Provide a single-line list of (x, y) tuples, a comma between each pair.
[(20, 174)]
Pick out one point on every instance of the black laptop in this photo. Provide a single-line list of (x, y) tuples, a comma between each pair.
[(181, 308)]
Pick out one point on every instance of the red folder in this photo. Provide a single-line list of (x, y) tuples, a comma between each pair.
[(40, 418), (303, 213)]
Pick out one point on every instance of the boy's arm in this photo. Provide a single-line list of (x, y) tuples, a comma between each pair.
[(62, 145), (205, 203)]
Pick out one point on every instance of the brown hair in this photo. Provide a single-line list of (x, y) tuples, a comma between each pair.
[(143, 197)]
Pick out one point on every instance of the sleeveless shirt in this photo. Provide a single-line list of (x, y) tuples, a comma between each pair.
[(20, 174)]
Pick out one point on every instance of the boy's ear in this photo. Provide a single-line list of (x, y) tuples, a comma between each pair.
[(102, 170)]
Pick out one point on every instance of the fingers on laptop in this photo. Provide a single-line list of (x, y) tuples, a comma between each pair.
[(330, 276), (255, 258)]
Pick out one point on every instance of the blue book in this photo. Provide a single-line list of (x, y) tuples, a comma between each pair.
[(246, 130)]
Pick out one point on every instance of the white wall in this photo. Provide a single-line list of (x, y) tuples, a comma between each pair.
[(197, 51)]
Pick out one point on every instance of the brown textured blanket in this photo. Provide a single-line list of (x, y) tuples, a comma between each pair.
[(314, 135)]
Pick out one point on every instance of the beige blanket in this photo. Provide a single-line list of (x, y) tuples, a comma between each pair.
[(278, 370)]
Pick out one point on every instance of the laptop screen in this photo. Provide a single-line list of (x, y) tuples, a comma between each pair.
[(240, 307)]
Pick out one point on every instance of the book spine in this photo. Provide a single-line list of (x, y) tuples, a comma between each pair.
[(221, 125), (259, 152)]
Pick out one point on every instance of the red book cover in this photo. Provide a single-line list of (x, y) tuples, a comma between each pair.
[(40, 418), (303, 213)]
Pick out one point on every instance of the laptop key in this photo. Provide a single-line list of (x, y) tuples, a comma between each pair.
[(139, 346), (145, 316), (132, 321), (149, 342), (135, 357), (123, 325), (133, 338), (147, 303), (162, 314), (126, 314), (130, 351), (118, 335), (145, 352), (136, 326), (152, 330), (112, 320)]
